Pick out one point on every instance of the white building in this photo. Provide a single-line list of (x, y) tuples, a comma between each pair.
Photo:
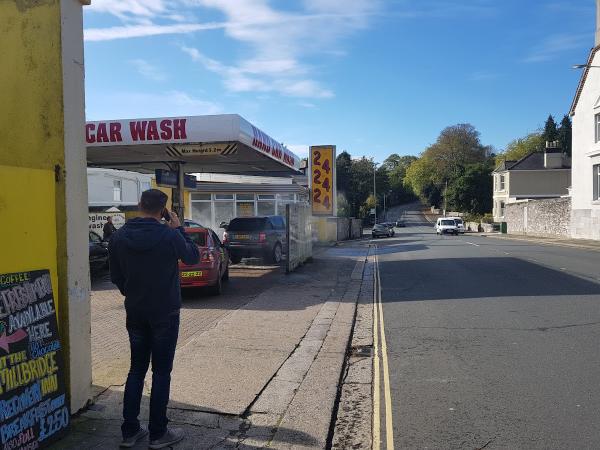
[(585, 112), (118, 188), (539, 175), (217, 197)]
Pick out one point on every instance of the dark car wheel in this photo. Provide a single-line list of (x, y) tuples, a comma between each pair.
[(235, 259), (277, 254), (218, 287), (226, 274)]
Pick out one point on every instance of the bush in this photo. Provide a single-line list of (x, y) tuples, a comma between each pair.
[(487, 218)]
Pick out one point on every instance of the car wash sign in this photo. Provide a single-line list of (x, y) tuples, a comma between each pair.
[(191, 137), (33, 406)]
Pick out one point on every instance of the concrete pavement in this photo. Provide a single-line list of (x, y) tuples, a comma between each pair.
[(248, 374), (491, 343)]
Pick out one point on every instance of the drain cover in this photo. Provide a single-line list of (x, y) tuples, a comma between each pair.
[(362, 350)]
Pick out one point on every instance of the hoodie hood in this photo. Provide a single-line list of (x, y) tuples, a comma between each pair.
[(142, 234)]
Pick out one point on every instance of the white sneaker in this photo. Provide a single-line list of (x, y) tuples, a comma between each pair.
[(172, 436)]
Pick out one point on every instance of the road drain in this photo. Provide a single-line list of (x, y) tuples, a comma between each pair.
[(361, 350)]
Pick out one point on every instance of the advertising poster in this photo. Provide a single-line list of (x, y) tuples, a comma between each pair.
[(96, 221), (33, 405), (322, 172)]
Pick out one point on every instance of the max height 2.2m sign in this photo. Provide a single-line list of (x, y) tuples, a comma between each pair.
[(322, 173)]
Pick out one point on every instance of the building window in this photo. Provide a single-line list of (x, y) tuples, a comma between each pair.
[(145, 185), (502, 209), (597, 126), (501, 182), (117, 192), (282, 200), (202, 209), (196, 197), (596, 182)]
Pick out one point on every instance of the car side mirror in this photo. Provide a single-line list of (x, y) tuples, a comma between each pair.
[(224, 225)]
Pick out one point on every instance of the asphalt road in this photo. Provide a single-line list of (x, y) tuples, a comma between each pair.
[(491, 343)]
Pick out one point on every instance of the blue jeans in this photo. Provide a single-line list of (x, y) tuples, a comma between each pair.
[(156, 339)]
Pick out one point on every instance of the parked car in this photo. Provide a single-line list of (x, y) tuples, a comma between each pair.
[(256, 237), (390, 226), (191, 224), (445, 225), (98, 252), (400, 224), (459, 224), (380, 230), (213, 268)]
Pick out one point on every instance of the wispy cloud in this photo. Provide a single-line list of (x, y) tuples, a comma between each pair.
[(554, 46), (141, 104), (148, 70), (280, 42), (134, 31)]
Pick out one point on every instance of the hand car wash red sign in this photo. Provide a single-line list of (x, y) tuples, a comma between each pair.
[(153, 130), (179, 131)]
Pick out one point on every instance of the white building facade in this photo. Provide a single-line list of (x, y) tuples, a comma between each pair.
[(585, 113), (115, 188)]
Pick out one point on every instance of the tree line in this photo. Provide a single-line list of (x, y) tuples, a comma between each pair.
[(454, 172)]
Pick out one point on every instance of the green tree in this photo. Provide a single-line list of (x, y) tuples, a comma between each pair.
[(550, 130), (565, 134), (419, 175), (457, 147), (521, 147), (392, 161), (472, 191)]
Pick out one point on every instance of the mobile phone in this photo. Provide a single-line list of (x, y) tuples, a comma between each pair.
[(166, 215)]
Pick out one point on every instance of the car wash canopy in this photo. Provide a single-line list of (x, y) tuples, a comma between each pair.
[(213, 144)]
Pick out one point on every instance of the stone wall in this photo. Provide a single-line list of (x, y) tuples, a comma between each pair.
[(551, 217), (585, 224)]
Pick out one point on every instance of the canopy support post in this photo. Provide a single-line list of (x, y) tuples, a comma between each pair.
[(178, 193)]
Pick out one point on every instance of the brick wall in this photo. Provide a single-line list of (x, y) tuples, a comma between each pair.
[(551, 217)]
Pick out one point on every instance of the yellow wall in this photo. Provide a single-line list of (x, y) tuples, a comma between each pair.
[(32, 202), (187, 199)]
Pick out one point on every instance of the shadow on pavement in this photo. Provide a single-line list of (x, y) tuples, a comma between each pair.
[(472, 278), (99, 428)]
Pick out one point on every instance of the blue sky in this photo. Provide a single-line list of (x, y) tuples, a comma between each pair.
[(373, 77)]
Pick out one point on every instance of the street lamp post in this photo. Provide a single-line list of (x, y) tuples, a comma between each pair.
[(375, 189)]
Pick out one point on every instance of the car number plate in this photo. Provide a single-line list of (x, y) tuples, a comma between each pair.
[(191, 274), (242, 236)]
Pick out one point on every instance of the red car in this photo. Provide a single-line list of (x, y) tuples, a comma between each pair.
[(213, 267)]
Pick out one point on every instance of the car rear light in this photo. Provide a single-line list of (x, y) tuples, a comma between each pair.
[(207, 257), (225, 237), (262, 237)]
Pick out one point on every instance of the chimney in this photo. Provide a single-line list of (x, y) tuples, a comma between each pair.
[(597, 23), (553, 155)]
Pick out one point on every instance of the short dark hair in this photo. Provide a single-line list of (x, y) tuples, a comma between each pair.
[(153, 201)]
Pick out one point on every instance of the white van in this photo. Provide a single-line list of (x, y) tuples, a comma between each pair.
[(459, 224), (446, 225)]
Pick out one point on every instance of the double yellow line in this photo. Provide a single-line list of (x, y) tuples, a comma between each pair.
[(380, 361)]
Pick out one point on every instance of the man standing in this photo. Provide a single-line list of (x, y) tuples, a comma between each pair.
[(108, 229), (144, 256)]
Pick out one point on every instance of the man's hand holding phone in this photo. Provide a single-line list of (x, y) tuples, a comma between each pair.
[(172, 219)]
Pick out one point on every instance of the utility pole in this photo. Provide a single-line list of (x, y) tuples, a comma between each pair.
[(375, 189), (446, 199)]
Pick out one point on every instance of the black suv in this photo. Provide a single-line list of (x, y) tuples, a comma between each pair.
[(256, 237)]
